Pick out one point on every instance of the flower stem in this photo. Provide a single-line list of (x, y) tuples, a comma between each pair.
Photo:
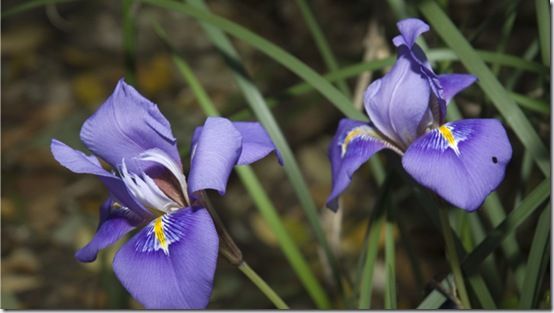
[(263, 286), (453, 259)]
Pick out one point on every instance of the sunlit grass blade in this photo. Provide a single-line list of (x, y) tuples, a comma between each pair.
[(531, 104), (28, 5), (261, 110), (488, 82), (129, 41), (543, 20), (251, 182), (276, 53), (536, 262), (321, 42), (472, 262)]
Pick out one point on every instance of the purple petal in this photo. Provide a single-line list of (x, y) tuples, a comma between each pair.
[(453, 83), (410, 29), (126, 125), (397, 103), (78, 162), (354, 143), (113, 225), (175, 272), (256, 143), (214, 155), (462, 161)]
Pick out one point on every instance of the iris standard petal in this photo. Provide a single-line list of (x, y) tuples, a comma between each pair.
[(397, 103), (170, 264), (126, 125), (354, 143), (410, 29), (215, 153), (78, 162), (462, 161), (114, 223), (256, 143), (453, 83)]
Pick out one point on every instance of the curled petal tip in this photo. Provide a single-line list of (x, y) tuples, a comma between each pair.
[(410, 29)]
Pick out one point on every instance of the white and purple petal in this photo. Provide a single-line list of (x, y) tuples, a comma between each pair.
[(461, 161), (354, 143), (115, 222), (214, 154), (398, 102), (78, 162), (126, 125), (170, 263)]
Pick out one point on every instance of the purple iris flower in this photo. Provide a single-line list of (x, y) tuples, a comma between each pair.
[(462, 161), (171, 260)]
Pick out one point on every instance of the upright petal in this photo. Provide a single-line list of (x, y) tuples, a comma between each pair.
[(354, 143), (410, 29), (170, 264), (126, 125), (214, 154), (256, 143), (462, 161), (78, 162), (453, 83), (397, 103), (114, 223)]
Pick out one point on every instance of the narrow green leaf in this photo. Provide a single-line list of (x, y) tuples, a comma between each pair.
[(531, 104), (28, 5), (535, 262), (262, 112), (481, 291), (321, 42), (390, 266), (278, 54), (543, 20), (255, 190), (471, 263), (366, 286), (488, 82)]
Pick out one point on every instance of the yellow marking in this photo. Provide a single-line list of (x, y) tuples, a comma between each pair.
[(447, 134), (160, 235), (360, 130)]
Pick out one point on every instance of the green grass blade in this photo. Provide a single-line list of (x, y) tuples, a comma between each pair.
[(535, 262), (481, 291), (278, 54), (321, 43), (262, 112), (129, 41), (488, 82), (508, 226), (255, 190), (28, 5), (531, 104), (366, 285), (472, 262), (390, 266), (543, 20)]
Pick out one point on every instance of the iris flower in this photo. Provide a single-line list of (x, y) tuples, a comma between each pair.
[(171, 260), (462, 161)]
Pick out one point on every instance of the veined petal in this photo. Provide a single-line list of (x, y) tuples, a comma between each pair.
[(170, 264), (453, 83), (410, 29), (115, 222), (354, 143), (256, 143), (397, 103), (462, 161), (78, 162), (214, 154), (126, 125)]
